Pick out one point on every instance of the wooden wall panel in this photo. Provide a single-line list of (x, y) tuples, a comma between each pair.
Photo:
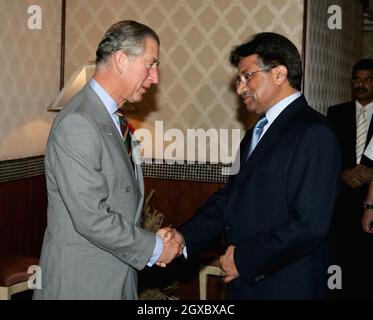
[(178, 201), (23, 206)]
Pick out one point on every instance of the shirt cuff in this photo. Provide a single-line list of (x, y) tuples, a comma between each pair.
[(185, 253), (158, 249)]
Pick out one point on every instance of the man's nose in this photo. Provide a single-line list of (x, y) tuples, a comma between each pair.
[(240, 89), (153, 75)]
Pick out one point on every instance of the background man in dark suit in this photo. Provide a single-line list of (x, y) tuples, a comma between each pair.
[(354, 129), (276, 211), (367, 220)]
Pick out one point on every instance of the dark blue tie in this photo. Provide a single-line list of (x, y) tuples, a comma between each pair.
[(257, 132)]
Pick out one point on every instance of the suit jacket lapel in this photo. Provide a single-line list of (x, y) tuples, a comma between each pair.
[(364, 160), (135, 145), (140, 180), (270, 137), (370, 133), (351, 116), (103, 118)]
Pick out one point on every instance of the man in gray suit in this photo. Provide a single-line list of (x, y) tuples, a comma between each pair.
[(93, 243)]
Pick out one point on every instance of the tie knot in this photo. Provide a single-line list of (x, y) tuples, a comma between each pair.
[(262, 122), (122, 118), (362, 111), (119, 113)]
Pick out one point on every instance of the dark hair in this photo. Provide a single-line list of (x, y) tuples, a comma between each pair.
[(127, 35), (364, 64), (273, 50)]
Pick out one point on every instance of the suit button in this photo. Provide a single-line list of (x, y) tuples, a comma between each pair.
[(135, 261), (259, 277), (128, 189)]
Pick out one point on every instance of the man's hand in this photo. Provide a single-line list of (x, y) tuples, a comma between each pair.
[(166, 233), (353, 177), (367, 221), (169, 233), (365, 173), (228, 266), (176, 236), (171, 247)]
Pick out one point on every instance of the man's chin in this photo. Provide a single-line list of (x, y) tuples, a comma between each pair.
[(135, 99), (250, 106)]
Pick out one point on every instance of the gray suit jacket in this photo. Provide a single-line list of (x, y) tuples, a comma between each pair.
[(93, 243)]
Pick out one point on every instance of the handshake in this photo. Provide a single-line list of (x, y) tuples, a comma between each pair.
[(173, 245)]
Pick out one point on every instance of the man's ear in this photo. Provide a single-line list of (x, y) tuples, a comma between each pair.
[(280, 74), (119, 59)]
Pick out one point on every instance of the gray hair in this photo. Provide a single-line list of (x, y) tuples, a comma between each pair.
[(126, 35)]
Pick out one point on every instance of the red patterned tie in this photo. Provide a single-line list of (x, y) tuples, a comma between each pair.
[(125, 131)]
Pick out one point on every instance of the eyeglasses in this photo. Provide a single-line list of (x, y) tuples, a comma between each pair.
[(367, 80), (245, 77)]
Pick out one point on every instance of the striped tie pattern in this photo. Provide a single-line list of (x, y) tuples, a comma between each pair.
[(123, 123), (361, 133)]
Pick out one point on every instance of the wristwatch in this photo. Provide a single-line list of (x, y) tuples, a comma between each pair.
[(367, 205)]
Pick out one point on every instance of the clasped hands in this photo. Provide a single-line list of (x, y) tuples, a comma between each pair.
[(357, 176), (173, 245)]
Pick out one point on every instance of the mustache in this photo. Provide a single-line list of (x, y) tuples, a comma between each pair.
[(360, 90), (245, 94)]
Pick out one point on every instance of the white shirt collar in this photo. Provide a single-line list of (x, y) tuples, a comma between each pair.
[(106, 99), (280, 106), (368, 107), (273, 112)]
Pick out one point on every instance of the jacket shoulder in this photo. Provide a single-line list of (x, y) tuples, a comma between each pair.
[(77, 107), (308, 119), (348, 104), (342, 107), (310, 116)]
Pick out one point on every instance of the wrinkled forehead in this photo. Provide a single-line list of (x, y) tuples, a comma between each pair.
[(362, 74)]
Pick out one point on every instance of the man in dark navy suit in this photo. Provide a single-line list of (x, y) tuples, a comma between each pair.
[(353, 245), (276, 212)]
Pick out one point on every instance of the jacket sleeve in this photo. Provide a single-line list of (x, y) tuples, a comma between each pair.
[(208, 222)]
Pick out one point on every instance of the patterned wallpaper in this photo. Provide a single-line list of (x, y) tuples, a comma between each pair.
[(196, 38), (368, 45), (29, 77), (195, 89), (330, 54)]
